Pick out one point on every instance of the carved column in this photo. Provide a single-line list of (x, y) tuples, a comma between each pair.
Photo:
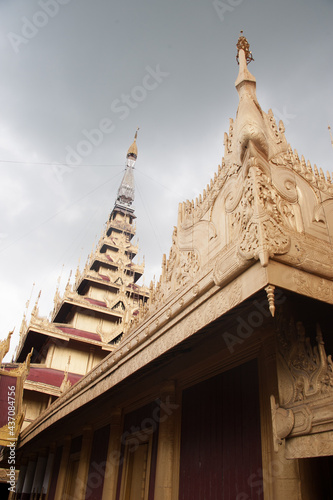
[(169, 411), (113, 456), (82, 473), (63, 468), (39, 474), (28, 479)]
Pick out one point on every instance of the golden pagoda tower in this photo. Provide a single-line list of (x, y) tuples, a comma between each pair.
[(91, 317)]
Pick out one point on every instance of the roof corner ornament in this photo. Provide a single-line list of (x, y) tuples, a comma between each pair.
[(5, 345), (243, 44)]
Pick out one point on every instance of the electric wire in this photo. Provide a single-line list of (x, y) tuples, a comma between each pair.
[(63, 164), (59, 212), (160, 184)]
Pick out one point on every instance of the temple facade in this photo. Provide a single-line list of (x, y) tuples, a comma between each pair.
[(222, 385)]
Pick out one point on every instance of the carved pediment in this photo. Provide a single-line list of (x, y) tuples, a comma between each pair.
[(260, 215)]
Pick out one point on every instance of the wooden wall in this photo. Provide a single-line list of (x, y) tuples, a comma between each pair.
[(220, 438), (97, 466)]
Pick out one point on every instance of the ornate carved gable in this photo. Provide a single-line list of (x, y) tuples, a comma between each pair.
[(259, 219), (263, 204)]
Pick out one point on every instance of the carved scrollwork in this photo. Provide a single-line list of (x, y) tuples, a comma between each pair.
[(187, 269), (261, 216), (262, 240), (320, 289), (283, 422)]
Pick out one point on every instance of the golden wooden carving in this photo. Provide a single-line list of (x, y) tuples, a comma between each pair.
[(305, 389)]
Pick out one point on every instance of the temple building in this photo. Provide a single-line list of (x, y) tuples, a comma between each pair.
[(221, 387)]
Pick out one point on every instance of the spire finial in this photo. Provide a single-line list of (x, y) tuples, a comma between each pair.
[(133, 150), (244, 57), (244, 44)]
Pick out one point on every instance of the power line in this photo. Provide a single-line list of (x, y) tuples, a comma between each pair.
[(60, 212), (60, 164), (163, 185)]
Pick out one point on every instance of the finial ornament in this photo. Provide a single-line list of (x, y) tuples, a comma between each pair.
[(244, 45), (133, 150)]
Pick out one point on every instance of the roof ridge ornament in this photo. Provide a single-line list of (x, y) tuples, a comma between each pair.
[(250, 126), (244, 45)]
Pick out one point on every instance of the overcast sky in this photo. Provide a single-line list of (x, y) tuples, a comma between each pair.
[(71, 67)]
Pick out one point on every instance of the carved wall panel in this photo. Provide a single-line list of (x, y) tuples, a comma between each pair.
[(305, 378)]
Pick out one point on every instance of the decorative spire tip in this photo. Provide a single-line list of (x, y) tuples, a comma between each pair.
[(133, 150), (244, 45)]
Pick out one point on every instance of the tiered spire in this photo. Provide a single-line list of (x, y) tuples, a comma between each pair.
[(105, 294), (92, 315), (108, 282)]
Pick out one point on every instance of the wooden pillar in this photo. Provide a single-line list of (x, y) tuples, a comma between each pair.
[(281, 477), (37, 484), (63, 469), (20, 481), (82, 473), (48, 471), (169, 411), (28, 479), (113, 457)]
